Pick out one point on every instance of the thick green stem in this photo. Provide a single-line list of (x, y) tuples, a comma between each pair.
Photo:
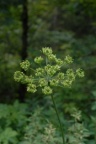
[(62, 132)]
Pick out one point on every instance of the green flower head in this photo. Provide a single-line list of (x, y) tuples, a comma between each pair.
[(54, 82), (50, 70), (60, 76), (80, 73), (52, 57), (18, 76), (38, 60), (39, 72), (47, 90), (68, 59), (29, 79), (31, 88), (70, 74), (47, 51), (25, 65), (43, 82), (59, 62), (66, 83)]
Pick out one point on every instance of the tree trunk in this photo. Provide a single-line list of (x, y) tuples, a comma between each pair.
[(22, 89)]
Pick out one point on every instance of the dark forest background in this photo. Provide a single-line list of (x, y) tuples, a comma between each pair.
[(69, 27)]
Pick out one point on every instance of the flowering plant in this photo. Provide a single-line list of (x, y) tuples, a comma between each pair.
[(48, 76)]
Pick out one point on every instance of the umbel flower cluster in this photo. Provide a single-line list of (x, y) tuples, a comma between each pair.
[(48, 74)]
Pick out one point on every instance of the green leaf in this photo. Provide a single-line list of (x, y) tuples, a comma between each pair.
[(8, 135)]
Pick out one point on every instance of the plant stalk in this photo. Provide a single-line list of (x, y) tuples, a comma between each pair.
[(62, 132)]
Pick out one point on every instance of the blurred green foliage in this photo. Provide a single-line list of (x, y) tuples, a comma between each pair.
[(13, 118), (69, 27)]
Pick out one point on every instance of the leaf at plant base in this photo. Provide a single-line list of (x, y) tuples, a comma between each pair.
[(7, 135)]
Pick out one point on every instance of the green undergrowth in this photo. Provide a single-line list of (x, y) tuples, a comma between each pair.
[(26, 124)]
